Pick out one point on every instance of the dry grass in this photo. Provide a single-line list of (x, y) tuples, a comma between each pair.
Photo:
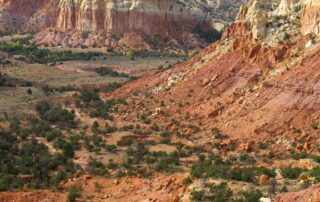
[(53, 76), (74, 73), (163, 148), (18, 101), (137, 67)]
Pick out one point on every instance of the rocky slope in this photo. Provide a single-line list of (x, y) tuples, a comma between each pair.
[(246, 85), (137, 24), (161, 188), (278, 18), (311, 194), (259, 83)]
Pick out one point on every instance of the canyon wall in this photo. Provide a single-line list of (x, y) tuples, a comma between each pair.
[(117, 17), (177, 23), (163, 20)]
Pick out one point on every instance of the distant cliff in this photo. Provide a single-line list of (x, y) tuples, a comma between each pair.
[(133, 23)]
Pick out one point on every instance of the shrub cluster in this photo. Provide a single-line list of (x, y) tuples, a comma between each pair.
[(45, 55)]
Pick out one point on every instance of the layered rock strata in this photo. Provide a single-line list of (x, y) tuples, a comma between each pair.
[(173, 23)]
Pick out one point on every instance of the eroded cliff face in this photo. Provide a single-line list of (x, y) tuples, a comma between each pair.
[(174, 23), (154, 16), (270, 17), (167, 20), (280, 20), (31, 15)]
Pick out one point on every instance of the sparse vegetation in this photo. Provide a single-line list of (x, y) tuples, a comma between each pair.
[(45, 55), (74, 193), (221, 192), (286, 36), (85, 133), (291, 173), (103, 71)]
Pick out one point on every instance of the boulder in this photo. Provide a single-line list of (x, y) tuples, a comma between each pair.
[(304, 177), (299, 147), (263, 180), (306, 146), (245, 147)]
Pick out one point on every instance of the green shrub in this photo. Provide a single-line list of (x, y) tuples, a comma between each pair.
[(29, 91), (125, 141), (298, 156), (112, 165), (262, 145), (250, 196), (111, 148), (111, 87), (5, 182), (68, 150), (208, 169), (95, 167), (74, 193), (28, 157), (57, 178), (45, 55), (271, 173), (212, 192), (286, 36), (89, 95), (105, 71), (56, 115), (197, 195), (291, 173), (315, 172), (284, 189), (120, 174), (241, 174), (166, 134), (162, 165), (187, 181), (52, 134), (315, 126), (98, 187)]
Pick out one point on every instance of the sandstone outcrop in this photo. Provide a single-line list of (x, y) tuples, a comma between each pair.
[(102, 22), (255, 13), (169, 23), (271, 19), (310, 18), (286, 6)]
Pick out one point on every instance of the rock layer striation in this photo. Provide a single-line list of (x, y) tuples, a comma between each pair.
[(173, 23)]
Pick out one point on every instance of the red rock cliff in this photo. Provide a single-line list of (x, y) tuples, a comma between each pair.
[(100, 22), (31, 15)]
